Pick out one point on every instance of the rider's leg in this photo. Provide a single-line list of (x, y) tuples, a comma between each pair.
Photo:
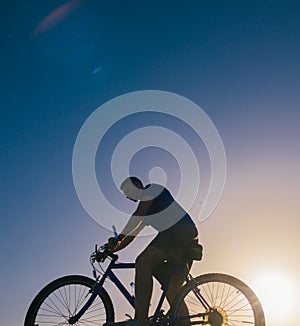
[(173, 288), (144, 266)]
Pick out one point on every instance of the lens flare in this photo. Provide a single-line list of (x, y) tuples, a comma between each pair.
[(277, 295), (56, 16)]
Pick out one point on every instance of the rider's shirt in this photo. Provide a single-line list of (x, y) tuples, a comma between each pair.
[(159, 209)]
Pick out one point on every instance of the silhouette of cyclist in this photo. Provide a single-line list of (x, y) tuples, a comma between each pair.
[(164, 257)]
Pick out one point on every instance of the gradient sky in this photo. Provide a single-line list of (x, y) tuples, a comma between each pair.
[(238, 60)]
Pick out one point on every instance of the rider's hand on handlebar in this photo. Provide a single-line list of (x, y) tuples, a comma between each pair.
[(112, 243)]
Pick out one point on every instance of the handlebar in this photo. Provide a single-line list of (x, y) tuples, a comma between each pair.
[(101, 254)]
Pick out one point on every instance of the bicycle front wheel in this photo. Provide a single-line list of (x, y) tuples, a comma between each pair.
[(226, 301), (61, 299)]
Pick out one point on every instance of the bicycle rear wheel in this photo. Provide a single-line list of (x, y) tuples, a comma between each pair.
[(233, 303), (63, 298)]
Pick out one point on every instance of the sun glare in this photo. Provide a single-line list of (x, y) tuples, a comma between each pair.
[(277, 295)]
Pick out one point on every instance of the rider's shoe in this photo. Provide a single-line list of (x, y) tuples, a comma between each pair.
[(129, 322)]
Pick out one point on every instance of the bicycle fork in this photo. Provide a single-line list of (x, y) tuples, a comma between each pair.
[(94, 292)]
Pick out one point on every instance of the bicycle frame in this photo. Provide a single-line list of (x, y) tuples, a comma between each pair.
[(130, 298)]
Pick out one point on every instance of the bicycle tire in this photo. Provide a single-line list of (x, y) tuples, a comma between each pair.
[(63, 298), (233, 301)]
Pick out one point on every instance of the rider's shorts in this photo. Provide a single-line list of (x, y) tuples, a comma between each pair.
[(174, 242)]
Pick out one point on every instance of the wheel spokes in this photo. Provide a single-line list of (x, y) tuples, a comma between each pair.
[(65, 302), (227, 300)]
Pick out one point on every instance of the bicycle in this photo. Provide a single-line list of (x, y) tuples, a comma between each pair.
[(210, 299)]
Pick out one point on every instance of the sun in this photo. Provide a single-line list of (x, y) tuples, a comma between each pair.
[(277, 296)]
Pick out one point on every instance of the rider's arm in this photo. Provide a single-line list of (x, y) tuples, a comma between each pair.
[(125, 239), (133, 227)]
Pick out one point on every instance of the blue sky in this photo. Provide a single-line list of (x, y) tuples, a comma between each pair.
[(239, 61)]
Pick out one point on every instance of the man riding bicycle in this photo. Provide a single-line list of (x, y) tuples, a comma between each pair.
[(164, 258)]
